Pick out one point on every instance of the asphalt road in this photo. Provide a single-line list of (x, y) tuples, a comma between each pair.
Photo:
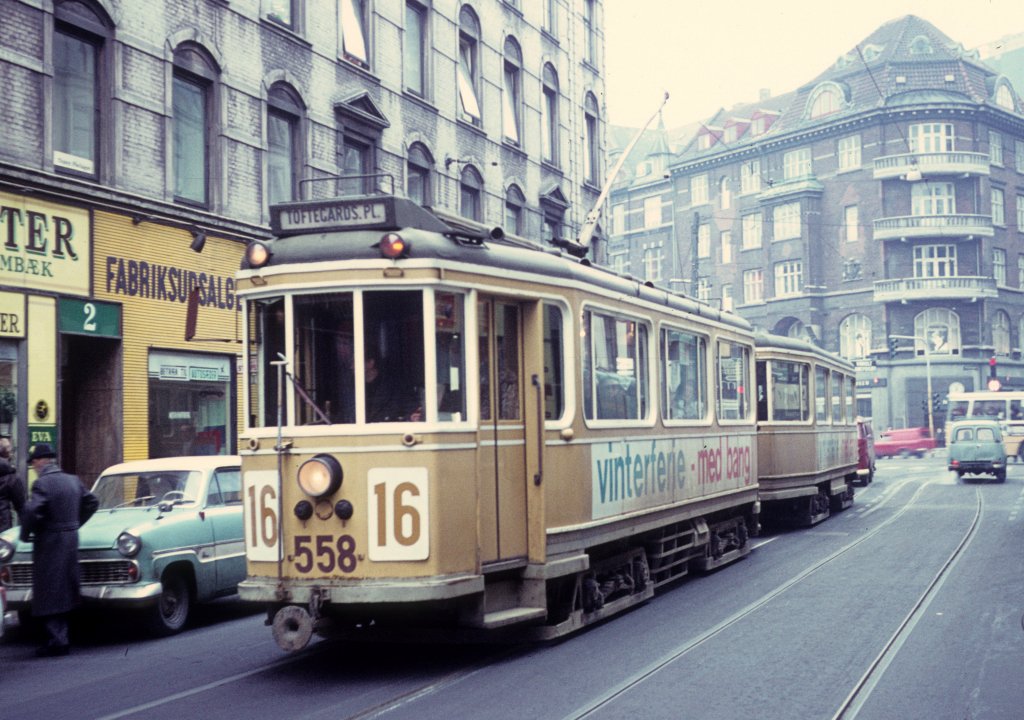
[(907, 605)]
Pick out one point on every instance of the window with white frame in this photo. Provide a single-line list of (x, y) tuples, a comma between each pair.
[(995, 148), (468, 68), (704, 240), (757, 127), (652, 263), (698, 189), (849, 153), (796, 164), (1020, 213), (727, 301), (827, 100), (751, 231), (855, 336), (851, 223), (1018, 155), (999, 266), (354, 41), (1004, 98), (620, 262), (789, 278), (618, 219), (725, 193), (786, 219), (726, 240), (414, 48), (932, 198), (550, 136), (652, 212), (1001, 333), (750, 177), (932, 261), (753, 286), (1020, 271), (998, 207), (940, 329), (930, 137), (704, 289), (511, 97)]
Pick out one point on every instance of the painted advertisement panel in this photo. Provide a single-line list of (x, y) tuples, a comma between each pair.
[(639, 474)]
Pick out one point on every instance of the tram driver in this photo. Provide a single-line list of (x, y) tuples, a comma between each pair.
[(385, 401)]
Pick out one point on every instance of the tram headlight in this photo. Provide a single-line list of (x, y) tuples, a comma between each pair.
[(320, 476), (257, 254), (128, 544), (393, 245)]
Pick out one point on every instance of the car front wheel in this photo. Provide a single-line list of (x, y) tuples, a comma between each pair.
[(171, 612)]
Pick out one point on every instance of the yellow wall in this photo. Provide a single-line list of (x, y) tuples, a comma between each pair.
[(141, 266)]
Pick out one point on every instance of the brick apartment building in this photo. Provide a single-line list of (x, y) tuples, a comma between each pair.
[(876, 210), (143, 143)]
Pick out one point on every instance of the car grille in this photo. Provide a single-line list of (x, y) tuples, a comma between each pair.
[(91, 572)]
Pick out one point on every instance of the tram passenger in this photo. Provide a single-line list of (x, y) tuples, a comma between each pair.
[(385, 401)]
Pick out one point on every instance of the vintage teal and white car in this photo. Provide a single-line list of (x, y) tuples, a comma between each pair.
[(976, 447), (167, 533)]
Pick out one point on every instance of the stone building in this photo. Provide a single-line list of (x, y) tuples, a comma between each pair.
[(143, 143), (877, 210)]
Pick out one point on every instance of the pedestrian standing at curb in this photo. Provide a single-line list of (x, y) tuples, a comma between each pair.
[(58, 505), (12, 491)]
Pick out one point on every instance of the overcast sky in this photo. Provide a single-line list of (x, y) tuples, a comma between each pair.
[(709, 55)]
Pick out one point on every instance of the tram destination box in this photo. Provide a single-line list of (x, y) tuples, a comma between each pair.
[(365, 212)]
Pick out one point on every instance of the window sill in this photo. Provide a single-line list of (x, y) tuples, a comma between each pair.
[(590, 66), (421, 101), (551, 167), (546, 34), (285, 32), (514, 149), (476, 129), (512, 8)]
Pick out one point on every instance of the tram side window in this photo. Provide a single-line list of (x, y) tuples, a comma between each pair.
[(324, 359), (790, 391), (684, 375), (851, 400), (450, 334), (1016, 410), (733, 379), (395, 374), (838, 384), (821, 394), (266, 331), (554, 375), (990, 409), (615, 376), (957, 410)]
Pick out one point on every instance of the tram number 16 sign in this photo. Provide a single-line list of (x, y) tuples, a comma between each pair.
[(398, 516), (262, 505)]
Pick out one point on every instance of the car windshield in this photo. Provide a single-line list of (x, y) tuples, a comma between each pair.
[(142, 489)]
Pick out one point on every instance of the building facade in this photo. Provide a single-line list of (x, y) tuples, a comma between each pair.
[(144, 142), (876, 210)]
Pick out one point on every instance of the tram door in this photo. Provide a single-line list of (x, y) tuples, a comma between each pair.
[(502, 449)]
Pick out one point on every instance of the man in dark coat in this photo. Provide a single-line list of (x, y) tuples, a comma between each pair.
[(12, 491), (58, 505)]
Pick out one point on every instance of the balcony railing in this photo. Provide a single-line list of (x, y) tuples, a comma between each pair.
[(914, 226), (932, 164), (938, 288), (804, 184)]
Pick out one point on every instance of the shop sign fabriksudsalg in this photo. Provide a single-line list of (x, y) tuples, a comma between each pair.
[(44, 246)]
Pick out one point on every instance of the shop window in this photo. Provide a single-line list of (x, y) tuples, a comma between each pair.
[(191, 404)]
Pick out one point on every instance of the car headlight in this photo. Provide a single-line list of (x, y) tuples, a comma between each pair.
[(6, 550), (320, 476), (128, 544)]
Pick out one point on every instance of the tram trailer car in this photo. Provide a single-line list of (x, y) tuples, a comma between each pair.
[(806, 431), (555, 441)]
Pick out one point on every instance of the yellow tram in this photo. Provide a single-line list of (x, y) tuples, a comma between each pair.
[(456, 431), (807, 430)]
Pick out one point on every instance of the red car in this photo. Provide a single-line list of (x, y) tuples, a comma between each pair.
[(904, 442), (865, 451)]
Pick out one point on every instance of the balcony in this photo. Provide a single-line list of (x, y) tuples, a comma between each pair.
[(806, 184), (946, 226), (932, 164), (938, 288)]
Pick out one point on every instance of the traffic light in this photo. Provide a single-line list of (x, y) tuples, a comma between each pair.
[(992, 367), (936, 402), (893, 347)]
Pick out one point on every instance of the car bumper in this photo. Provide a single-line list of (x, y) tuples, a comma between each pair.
[(978, 467), (137, 594)]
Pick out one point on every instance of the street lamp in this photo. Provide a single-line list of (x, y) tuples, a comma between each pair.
[(928, 373)]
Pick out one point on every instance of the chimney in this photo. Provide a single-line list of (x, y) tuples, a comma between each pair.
[(764, 94)]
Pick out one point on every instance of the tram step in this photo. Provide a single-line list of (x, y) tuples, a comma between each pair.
[(511, 616)]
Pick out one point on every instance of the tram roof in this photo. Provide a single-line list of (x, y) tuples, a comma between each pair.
[(351, 228), (767, 341)]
